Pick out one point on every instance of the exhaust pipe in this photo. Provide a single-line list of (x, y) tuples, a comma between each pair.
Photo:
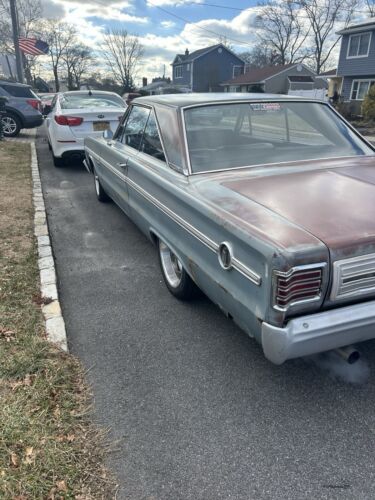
[(349, 353)]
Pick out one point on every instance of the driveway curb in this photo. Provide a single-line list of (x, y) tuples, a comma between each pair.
[(55, 325)]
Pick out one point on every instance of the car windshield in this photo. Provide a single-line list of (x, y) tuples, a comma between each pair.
[(224, 136), (85, 101)]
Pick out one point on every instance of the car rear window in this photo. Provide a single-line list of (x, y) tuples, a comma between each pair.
[(91, 101), (17, 91), (226, 136)]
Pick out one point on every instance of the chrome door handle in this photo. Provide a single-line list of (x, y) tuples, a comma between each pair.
[(122, 165)]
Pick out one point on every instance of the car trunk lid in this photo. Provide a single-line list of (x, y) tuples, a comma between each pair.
[(334, 205), (94, 121)]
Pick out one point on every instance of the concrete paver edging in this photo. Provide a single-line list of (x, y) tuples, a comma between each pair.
[(55, 325)]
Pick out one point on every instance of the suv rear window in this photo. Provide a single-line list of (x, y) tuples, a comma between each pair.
[(17, 91)]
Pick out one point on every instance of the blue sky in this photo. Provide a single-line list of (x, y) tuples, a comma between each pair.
[(161, 34)]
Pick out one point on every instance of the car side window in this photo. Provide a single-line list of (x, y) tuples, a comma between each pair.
[(134, 127), (151, 143), (53, 103), (120, 129)]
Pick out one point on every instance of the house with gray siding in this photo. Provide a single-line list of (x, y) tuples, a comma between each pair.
[(205, 69), (356, 65), (275, 80)]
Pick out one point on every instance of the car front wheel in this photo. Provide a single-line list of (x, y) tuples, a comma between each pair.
[(176, 278), (11, 125)]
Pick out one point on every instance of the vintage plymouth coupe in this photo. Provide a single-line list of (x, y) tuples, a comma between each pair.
[(264, 202)]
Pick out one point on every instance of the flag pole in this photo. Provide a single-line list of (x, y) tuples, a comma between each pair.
[(13, 13)]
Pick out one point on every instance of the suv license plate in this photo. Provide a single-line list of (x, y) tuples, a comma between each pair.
[(100, 126)]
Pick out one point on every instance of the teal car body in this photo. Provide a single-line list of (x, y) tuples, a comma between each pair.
[(270, 270)]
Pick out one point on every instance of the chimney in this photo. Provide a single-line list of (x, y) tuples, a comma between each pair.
[(186, 52), (144, 81)]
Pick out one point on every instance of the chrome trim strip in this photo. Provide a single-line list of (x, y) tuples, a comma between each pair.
[(280, 163), (187, 154), (208, 242)]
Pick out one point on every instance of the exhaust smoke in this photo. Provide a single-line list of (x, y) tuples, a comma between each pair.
[(338, 368)]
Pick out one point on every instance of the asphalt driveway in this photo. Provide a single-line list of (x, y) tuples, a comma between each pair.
[(194, 408)]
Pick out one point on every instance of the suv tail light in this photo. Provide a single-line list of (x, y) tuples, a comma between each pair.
[(70, 121), (300, 284), (35, 103)]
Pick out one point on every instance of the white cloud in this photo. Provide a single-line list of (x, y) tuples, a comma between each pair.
[(159, 50), (168, 24), (52, 10), (175, 3), (111, 10)]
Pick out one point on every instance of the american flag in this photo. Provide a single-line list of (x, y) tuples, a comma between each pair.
[(33, 46)]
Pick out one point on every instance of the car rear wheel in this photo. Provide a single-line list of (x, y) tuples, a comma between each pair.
[(58, 162), (176, 278), (11, 125), (100, 193)]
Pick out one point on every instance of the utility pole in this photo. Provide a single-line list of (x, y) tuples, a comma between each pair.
[(13, 13)]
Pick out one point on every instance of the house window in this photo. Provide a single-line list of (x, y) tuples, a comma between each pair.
[(234, 88), (188, 67), (237, 71), (178, 72), (360, 89), (359, 45)]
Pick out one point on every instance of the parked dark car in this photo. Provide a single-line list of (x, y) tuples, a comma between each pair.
[(128, 97), (23, 109), (46, 102), (265, 202)]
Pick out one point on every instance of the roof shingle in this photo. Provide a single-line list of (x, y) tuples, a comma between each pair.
[(257, 75)]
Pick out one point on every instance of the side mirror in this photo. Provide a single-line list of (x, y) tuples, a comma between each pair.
[(108, 135)]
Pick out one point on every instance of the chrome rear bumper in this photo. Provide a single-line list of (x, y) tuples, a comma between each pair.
[(319, 332)]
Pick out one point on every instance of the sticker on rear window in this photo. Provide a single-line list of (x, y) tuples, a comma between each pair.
[(266, 106)]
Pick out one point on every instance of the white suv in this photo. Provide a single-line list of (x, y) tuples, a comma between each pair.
[(79, 114)]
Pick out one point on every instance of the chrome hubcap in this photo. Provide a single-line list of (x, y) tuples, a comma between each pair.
[(9, 125), (172, 266)]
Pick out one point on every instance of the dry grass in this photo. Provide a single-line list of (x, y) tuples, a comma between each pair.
[(48, 447)]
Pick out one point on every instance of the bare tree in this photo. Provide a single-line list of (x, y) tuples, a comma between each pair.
[(29, 14), (61, 37), (122, 53), (282, 31), (78, 60), (324, 16), (370, 7), (260, 56)]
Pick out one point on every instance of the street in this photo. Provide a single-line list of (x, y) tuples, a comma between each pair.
[(193, 408)]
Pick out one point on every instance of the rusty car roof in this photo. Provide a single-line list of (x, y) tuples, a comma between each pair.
[(183, 100)]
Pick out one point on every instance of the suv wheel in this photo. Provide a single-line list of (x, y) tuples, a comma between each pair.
[(11, 125)]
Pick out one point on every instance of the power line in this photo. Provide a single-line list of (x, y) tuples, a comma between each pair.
[(198, 27), (218, 6)]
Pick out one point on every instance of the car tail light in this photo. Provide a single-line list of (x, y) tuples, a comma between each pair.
[(35, 103), (300, 284), (70, 121)]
